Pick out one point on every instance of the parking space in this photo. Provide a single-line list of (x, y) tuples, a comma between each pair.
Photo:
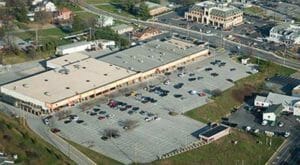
[(153, 110)]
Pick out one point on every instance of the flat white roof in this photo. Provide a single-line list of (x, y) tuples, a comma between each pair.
[(55, 85), (68, 59)]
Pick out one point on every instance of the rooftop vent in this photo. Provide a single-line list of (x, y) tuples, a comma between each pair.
[(67, 87), (77, 66), (105, 74), (64, 71), (25, 85), (47, 93)]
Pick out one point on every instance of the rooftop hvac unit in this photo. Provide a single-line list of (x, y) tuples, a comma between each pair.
[(64, 71), (25, 85), (77, 66), (47, 93)]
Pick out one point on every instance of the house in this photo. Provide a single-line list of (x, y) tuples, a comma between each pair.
[(62, 15), (44, 6), (104, 21), (35, 2), (260, 101), (2, 3), (296, 91), (30, 16), (285, 33), (147, 33), (272, 112), (50, 7), (289, 103), (122, 28), (156, 9)]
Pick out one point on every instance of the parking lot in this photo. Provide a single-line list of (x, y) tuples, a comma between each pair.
[(245, 117), (144, 122)]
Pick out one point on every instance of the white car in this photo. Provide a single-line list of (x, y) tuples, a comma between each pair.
[(167, 82), (280, 124), (256, 131), (148, 119), (46, 121), (248, 128), (156, 118), (181, 75), (193, 92), (265, 122), (286, 134)]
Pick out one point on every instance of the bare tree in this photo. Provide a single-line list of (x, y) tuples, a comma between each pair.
[(129, 124), (111, 132)]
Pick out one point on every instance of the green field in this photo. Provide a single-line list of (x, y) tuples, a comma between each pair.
[(224, 151), (96, 157), (98, 1), (31, 149), (113, 9), (232, 97), (254, 11)]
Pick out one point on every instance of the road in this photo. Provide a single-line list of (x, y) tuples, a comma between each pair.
[(213, 39), (284, 153), (36, 125)]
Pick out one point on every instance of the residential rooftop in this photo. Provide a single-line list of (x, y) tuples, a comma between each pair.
[(152, 54)]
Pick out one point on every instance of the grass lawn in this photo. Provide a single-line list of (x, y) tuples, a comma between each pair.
[(95, 156), (234, 96), (85, 15), (97, 1), (30, 148), (254, 11), (113, 9), (223, 151), (43, 34)]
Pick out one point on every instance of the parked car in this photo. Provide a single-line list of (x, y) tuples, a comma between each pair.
[(55, 130), (178, 86), (79, 121), (280, 124), (101, 117), (67, 121)]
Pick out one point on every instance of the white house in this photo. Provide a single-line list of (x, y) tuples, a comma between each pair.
[(261, 101), (296, 91), (50, 7), (272, 112), (285, 33), (2, 3), (296, 108), (104, 21), (123, 28), (276, 103), (35, 2), (45, 6)]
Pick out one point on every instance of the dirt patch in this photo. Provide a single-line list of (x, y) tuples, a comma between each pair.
[(240, 94)]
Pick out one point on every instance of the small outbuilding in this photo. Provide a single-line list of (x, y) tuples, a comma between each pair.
[(214, 133)]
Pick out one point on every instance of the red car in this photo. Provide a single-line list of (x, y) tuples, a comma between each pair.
[(55, 130), (101, 117)]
